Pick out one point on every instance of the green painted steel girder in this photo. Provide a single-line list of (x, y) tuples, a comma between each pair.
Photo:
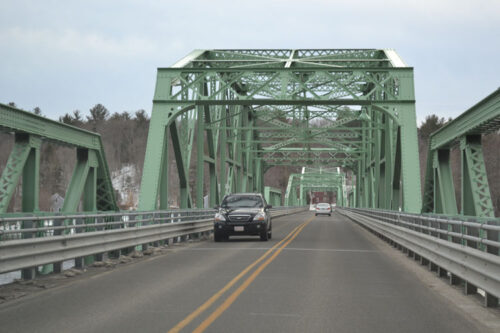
[(315, 179), (482, 118), (30, 130), (272, 196), (467, 130), (353, 108)]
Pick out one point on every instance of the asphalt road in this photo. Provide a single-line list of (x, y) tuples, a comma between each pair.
[(323, 274)]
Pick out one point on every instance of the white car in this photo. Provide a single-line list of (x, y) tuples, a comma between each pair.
[(323, 208)]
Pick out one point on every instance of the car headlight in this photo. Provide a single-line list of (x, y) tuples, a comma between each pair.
[(261, 216), (219, 217)]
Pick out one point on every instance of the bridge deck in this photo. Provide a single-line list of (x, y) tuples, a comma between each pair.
[(332, 277)]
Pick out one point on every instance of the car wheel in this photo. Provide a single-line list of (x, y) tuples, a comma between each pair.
[(219, 237), (264, 236), (269, 234)]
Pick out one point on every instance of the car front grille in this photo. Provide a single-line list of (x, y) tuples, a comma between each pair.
[(239, 218)]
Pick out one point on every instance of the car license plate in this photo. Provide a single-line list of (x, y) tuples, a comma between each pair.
[(239, 228)]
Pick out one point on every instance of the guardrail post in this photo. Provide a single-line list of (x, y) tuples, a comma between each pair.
[(184, 237), (101, 226), (128, 250), (144, 247), (469, 288), (433, 267), (122, 219), (454, 280), (490, 301), (165, 218), (442, 272), (79, 262), (57, 266), (155, 220), (28, 273), (471, 232), (493, 236)]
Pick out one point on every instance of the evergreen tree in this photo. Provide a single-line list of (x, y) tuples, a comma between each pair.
[(431, 124), (98, 115)]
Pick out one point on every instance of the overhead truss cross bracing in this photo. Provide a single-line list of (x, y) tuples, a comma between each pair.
[(246, 111)]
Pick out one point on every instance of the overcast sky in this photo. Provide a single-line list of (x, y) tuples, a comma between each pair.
[(67, 55)]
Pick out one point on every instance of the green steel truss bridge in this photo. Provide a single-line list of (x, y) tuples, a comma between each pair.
[(256, 109), (322, 179), (344, 119), (246, 111)]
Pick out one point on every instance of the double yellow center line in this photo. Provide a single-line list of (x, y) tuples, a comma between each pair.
[(230, 300)]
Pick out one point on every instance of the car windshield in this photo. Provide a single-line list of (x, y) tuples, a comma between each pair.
[(242, 201), (323, 205)]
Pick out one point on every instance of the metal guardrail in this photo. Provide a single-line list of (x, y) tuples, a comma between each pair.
[(451, 246), (31, 241)]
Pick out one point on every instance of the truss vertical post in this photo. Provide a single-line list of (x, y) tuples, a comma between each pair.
[(444, 190), (396, 178), (428, 197), (377, 157), (185, 195), (410, 165), (223, 181), (239, 171), (212, 144), (388, 161), (155, 171), (476, 197), (89, 203), (31, 174), (200, 156), (164, 171), (259, 176)]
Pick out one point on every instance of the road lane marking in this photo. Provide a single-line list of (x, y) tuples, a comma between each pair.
[(183, 323), (230, 300), (204, 249)]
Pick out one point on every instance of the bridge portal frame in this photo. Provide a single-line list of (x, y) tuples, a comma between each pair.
[(225, 95)]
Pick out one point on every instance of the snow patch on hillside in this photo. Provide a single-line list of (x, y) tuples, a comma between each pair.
[(126, 183)]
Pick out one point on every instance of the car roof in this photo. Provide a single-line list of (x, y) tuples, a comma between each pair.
[(245, 194)]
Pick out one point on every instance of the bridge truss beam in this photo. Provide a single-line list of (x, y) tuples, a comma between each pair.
[(91, 176), (466, 131), (248, 110)]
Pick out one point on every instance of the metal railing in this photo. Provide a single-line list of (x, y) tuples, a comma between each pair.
[(31, 241), (459, 248)]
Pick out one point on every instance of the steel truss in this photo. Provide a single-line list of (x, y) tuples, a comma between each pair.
[(247, 110), (315, 179), (90, 183), (465, 131), (273, 196)]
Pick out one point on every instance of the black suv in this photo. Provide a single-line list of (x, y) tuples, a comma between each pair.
[(243, 214)]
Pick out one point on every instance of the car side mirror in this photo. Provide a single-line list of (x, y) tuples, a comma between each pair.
[(269, 207)]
